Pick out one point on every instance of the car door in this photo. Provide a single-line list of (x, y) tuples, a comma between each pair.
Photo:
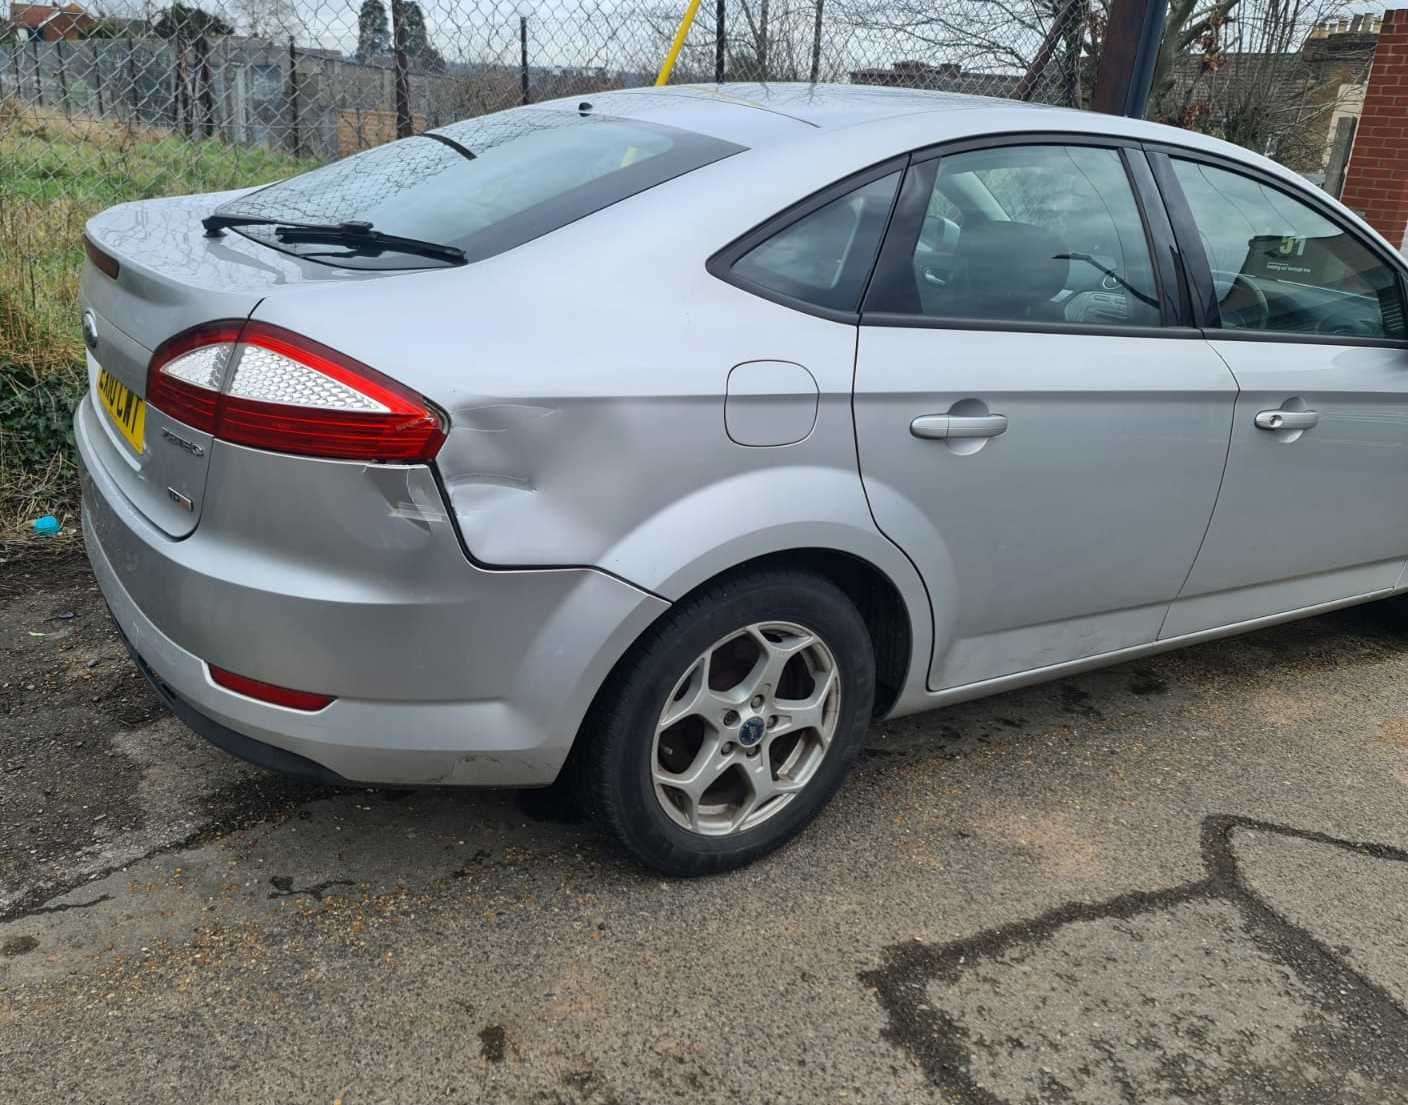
[(1036, 427), (1308, 313)]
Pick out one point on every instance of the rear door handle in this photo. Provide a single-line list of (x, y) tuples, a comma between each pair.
[(946, 426), (1286, 420)]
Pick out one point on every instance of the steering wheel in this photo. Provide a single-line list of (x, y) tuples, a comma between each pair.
[(1252, 315), (1349, 322)]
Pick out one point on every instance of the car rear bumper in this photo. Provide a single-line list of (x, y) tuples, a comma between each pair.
[(347, 579), (236, 744)]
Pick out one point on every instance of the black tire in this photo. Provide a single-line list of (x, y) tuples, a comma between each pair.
[(615, 758)]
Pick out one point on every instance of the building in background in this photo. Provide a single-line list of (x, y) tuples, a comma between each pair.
[(1376, 180), (1298, 104), (48, 23)]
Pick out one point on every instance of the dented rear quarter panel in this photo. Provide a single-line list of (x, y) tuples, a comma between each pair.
[(585, 373)]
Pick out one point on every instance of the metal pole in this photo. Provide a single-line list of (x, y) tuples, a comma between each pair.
[(720, 42), (97, 75), (133, 102), (763, 40), (816, 42), (1132, 37), (681, 33), (1146, 59), (1032, 78), (38, 75), (523, 55), (63, 76), (294, 137), (404, 125)]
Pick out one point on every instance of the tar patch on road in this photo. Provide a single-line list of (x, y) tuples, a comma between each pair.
[(493, 1043), (18, 945), (1201, 992), (284, 888)]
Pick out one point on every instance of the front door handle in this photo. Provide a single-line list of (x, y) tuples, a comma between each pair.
[(948, 426), (1286, 420)]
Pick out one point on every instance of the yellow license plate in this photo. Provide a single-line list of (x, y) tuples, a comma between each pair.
[(127, 411)]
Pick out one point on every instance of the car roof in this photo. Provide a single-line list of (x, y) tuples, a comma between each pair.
[(770, 119), (827, 106), (757, 115)]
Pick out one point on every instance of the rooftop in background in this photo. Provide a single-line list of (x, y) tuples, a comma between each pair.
[(50, 23), (948, 77)]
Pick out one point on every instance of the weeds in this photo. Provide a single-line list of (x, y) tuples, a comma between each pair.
[(55, 173)]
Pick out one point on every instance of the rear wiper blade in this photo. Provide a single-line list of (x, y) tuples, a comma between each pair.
[(347, 233), (362, 237), (214, 224)]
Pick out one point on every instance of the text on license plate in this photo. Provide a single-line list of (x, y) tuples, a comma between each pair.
[(127, 410)]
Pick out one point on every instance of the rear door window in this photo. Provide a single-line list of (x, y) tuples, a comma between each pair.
[(1023, 234), (484, 185)]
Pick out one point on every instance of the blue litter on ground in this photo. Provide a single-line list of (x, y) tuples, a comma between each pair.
[(47, 526)]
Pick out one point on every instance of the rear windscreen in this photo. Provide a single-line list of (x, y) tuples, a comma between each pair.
[(484, 185)]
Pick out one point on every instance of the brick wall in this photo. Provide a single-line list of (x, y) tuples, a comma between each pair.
[(1376, 184)]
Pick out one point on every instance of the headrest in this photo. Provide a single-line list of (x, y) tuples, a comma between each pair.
[(1009, 268)]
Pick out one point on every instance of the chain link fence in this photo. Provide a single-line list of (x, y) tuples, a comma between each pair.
[(101, 104), (191, 97)]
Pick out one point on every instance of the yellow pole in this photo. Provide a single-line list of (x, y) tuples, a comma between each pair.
[(675, 47)]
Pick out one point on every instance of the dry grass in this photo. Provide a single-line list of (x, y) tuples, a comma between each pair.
[(55, 173), (41, 356)]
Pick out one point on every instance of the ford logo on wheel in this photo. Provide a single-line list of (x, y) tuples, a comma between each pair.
[(751, 732)]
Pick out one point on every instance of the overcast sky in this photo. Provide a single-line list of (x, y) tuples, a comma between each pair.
[(632, 33)]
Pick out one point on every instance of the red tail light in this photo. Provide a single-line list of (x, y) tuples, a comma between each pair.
[(187, 372), (267, 387), (268, 692)]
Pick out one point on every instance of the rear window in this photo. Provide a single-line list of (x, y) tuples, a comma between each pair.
[(485, 185)]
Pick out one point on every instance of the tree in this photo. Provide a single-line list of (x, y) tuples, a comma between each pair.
[(275, 19), (1260, 78), (373, 34), (186, 22), (104, 29), (187, 25), (1190, 27), (410, 20)]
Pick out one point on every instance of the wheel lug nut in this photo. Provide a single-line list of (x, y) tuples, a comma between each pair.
[(730, 717), (757, 701), (726, 749), (772, 722)]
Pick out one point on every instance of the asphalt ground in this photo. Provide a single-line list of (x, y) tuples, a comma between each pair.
[(1182, 880)]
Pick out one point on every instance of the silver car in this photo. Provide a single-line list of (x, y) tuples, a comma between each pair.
[(651, 445)]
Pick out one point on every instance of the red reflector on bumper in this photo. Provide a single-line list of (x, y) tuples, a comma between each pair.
[(268, 692), (103, 262)]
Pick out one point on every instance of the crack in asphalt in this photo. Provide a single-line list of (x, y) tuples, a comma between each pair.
[(64, 907), (938, 1043), (241, 812), (30, 903)]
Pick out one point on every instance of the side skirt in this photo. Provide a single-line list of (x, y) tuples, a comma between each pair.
[(913, 702)]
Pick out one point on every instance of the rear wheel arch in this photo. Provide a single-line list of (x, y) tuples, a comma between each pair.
[(876, 597)]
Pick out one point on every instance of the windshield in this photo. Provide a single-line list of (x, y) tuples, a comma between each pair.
[(484, 185)]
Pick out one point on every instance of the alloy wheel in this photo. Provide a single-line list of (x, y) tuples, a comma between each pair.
[(745, 728)]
